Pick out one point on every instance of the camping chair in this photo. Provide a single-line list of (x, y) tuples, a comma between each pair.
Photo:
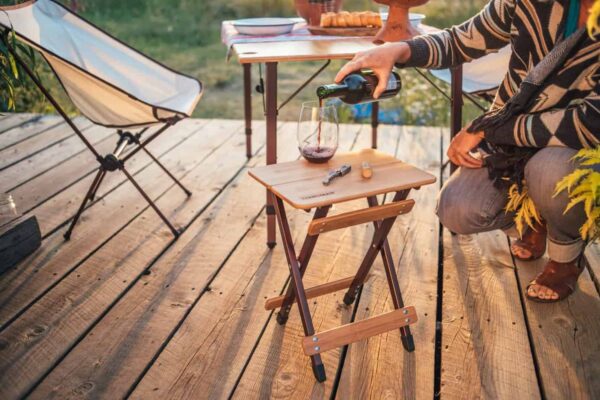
[(112, 84)]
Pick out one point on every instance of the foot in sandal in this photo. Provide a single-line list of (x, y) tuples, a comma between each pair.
[(557, 282), (532, 245)]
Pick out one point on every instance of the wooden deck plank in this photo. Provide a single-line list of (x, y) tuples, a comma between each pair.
[(32, 145), (593, 256), (51, 157), (30, 127), (11, 120), (162, 336), (134, 331), (217, 338), (83, 296), (485, 347), (565, 337), (55, 258), (414, 243)]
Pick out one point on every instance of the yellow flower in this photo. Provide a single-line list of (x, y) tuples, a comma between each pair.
[(593, 22)]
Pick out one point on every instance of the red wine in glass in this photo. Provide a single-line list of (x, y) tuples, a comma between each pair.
[(317, 154)]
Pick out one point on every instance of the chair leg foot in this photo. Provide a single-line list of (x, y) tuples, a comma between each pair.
[(349, 299), (67, 236), (319, 372), (270, 245), (408, 343)]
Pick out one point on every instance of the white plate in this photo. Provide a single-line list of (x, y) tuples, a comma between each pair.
[(415, 18), (264, 26)]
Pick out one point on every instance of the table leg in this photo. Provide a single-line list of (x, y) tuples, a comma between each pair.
[(248, 107), (392, 277), (296, 282), (374, 123), (456, 105), (271, 119), (303, 259), (379, 238)]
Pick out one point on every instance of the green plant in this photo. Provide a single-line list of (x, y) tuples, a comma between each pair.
[(583, 187), (9, 74), (13, 80)]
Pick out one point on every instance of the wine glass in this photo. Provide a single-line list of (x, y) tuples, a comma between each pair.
[(318, 131)]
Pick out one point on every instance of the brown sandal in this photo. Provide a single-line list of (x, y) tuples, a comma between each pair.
[(534, 241), (558, 277)]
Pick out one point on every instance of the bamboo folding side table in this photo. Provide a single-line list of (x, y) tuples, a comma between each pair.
[(299, 184)]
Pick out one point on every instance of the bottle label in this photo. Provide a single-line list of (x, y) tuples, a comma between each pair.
[(392, 83)]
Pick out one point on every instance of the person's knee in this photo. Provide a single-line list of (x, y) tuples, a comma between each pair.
[(543, 171), (546, 168), (457, 214)]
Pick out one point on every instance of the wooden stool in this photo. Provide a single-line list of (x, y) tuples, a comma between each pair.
[(299, 183)]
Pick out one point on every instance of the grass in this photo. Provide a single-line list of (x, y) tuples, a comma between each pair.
[(185, 35)]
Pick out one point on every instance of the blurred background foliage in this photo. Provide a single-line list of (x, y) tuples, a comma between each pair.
[(185, 34)]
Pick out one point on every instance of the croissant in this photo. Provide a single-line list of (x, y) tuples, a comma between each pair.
[(347, 19)]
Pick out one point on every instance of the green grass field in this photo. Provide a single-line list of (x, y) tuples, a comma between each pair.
[(185, 34)]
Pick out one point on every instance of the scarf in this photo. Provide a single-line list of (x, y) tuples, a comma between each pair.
[(505, 163)]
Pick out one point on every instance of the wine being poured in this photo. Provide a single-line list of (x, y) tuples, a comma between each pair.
[(318, 132)]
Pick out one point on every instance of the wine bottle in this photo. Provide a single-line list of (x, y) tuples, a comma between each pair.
[(359, 87)]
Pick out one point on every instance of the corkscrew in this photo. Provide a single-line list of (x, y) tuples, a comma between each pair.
[(341, 171)]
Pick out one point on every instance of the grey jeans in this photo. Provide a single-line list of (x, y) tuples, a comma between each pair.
[(469, 203)]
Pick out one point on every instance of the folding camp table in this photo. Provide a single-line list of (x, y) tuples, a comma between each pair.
[(112, 84), (299, 183)]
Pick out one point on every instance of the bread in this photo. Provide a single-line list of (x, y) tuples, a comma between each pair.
[(347, 19)]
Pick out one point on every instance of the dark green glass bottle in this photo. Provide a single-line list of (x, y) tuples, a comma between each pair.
[(359, 87)]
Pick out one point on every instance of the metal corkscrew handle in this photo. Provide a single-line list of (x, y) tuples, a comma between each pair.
[(341, 171)]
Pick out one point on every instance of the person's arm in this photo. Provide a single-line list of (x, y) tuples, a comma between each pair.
[(577, 126), (485, 33)]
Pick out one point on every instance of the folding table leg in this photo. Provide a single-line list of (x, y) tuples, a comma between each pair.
[(271, 119), (85, 200), (381, 245), (296, 276), (303, 260), (248, 107), (392, 278), (374, 123)]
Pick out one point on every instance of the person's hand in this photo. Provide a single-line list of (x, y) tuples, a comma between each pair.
[(380, 60), (461, 145)]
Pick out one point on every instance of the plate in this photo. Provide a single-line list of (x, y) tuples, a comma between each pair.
[(264, 26), (415, 18)]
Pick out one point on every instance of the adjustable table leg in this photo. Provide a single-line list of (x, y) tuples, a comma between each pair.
[(248, 107), (296, 276), (271, 119)]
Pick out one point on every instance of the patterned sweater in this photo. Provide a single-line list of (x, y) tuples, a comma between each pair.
[(567, 111)]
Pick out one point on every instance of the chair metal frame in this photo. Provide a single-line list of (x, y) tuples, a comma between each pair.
[(110, 162)]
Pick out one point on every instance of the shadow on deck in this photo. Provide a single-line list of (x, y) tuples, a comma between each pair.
[(123, 310)]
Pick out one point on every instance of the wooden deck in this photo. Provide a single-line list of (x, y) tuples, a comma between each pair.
[(123, 310)]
